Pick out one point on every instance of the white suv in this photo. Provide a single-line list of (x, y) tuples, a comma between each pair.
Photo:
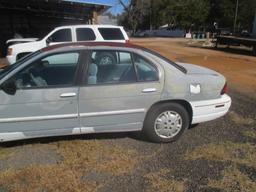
[(75, 33)]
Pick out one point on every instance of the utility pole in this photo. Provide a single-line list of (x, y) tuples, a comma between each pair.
[(150, 14), (234, 29), (254, 26)]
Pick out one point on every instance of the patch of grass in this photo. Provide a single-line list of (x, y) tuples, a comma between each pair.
[(79, 159), (45, 178), (251, 134), (5, 153), (242, 153), (161, 183), (238, 119), (92, 154), (233, 180)]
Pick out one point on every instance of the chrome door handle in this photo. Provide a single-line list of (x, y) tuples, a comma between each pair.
[(64, 95), (149, 90)]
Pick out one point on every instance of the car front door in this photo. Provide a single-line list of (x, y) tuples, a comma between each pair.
[(60, 36), (45, 102), (115, 95)]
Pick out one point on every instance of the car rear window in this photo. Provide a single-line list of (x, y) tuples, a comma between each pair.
[(85, 34), (111, 33)]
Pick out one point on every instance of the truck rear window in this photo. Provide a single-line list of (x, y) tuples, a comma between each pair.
[(111, 33)]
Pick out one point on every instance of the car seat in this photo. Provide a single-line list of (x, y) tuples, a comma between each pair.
[(92, 75)]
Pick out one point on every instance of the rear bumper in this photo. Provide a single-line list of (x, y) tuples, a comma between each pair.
[(210, 109)]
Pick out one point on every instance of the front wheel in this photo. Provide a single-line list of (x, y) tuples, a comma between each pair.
[(166, 122)]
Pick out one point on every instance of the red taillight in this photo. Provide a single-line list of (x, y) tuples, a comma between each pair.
[(225, 89), (9, 51)]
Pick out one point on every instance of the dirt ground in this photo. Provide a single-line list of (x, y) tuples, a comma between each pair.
[(218, 156)]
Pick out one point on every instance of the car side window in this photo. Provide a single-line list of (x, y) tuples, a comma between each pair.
[(111, 33), (85, 34), (62, 35), (56, 70), (145, 70), (110, 67)]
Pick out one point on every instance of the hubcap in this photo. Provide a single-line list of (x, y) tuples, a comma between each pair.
[(168, 124)]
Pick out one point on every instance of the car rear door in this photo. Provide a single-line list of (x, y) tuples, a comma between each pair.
[(112, 97), (45, 102)]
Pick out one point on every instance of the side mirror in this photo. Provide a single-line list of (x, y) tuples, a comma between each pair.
[(9, 87), (48, 40)]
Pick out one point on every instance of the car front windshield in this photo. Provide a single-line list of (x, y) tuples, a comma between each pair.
[(8, 68)]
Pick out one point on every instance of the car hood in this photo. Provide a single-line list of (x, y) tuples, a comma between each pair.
[(198, 70), (22, 40)]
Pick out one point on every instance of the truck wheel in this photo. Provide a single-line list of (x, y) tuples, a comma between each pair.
[(166, 122)]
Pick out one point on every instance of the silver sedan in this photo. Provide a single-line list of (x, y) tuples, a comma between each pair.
[(82, 88)]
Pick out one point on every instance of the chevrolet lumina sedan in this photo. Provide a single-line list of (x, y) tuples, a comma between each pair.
[(81, 88)]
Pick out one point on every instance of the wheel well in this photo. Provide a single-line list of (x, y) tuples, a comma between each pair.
[(184, 103)]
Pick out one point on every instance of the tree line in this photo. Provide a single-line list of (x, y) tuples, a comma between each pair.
[(187, 14)]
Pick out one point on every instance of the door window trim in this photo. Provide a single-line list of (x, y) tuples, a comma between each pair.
[(83, 80), (150, 63), (71, 36), (75, 82)]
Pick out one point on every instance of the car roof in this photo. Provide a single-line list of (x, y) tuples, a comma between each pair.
[(90, 44), (89, 26)]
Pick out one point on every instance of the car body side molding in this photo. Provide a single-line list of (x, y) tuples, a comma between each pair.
[(104, 113), (38, 118)]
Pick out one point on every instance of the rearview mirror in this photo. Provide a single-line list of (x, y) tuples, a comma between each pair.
[(9, 87)]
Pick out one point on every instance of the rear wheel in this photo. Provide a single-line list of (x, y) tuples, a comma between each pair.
[(166, 122)]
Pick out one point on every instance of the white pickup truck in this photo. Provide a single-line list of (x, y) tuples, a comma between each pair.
[(65, 34)]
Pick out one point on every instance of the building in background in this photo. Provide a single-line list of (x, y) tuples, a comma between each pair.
[(106, 20), (30, 18)]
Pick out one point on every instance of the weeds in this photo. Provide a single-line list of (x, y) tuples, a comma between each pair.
[(79, 158), (4, 153), (251, 134), (242, 153), (233, 180), (238, 119), (160, 182)]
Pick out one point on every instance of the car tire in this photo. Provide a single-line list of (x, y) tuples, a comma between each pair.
[(166, 122)]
